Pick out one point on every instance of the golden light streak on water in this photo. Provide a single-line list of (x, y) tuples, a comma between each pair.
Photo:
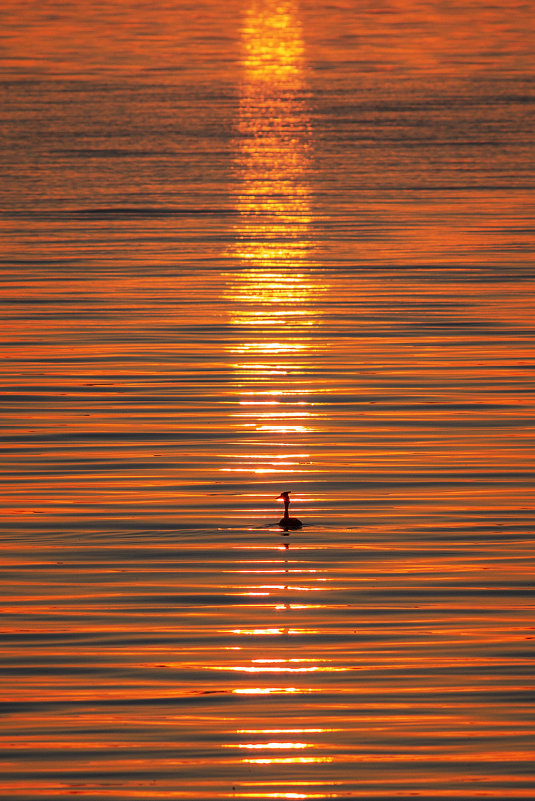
[(289, 761), (276, 287)]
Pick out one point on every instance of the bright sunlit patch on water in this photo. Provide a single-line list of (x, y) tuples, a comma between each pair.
[(257, 631), (273, 669), (281, 429), (281, 666), (270, 690), (289, 789), (259, 403), (272, 631), (260, 470), (286, 795), (251, 317), (256, 284), (289, 760), (263, 402), (267, 746), (275, 415), (268, 348), (295, 659), (282, 392)]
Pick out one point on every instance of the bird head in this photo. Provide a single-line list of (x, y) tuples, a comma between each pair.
[(284, 496)]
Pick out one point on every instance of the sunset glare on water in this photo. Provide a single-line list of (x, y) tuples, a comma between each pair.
[(250, 248)]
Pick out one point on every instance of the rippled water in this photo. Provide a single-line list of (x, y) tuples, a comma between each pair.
[(252, 247)]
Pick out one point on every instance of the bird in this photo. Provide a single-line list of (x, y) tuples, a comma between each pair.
[(288, 522)]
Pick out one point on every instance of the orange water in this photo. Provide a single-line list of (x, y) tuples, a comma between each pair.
[(253, 247)]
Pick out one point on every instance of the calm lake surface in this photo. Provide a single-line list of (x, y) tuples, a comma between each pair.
[(250, 247)]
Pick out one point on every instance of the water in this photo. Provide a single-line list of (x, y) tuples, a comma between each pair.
[(253, 247)]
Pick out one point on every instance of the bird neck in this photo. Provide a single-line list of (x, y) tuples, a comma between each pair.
[(286, 505)]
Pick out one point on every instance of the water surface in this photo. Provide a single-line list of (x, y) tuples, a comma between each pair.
[(262, 247)]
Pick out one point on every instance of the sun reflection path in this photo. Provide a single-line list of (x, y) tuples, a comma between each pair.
[(273, 292), (274, 285)]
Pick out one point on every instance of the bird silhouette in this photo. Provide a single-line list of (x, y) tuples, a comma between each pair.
[(288, 522)]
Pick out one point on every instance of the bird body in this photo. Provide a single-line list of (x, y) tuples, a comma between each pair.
[(288, 522)]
